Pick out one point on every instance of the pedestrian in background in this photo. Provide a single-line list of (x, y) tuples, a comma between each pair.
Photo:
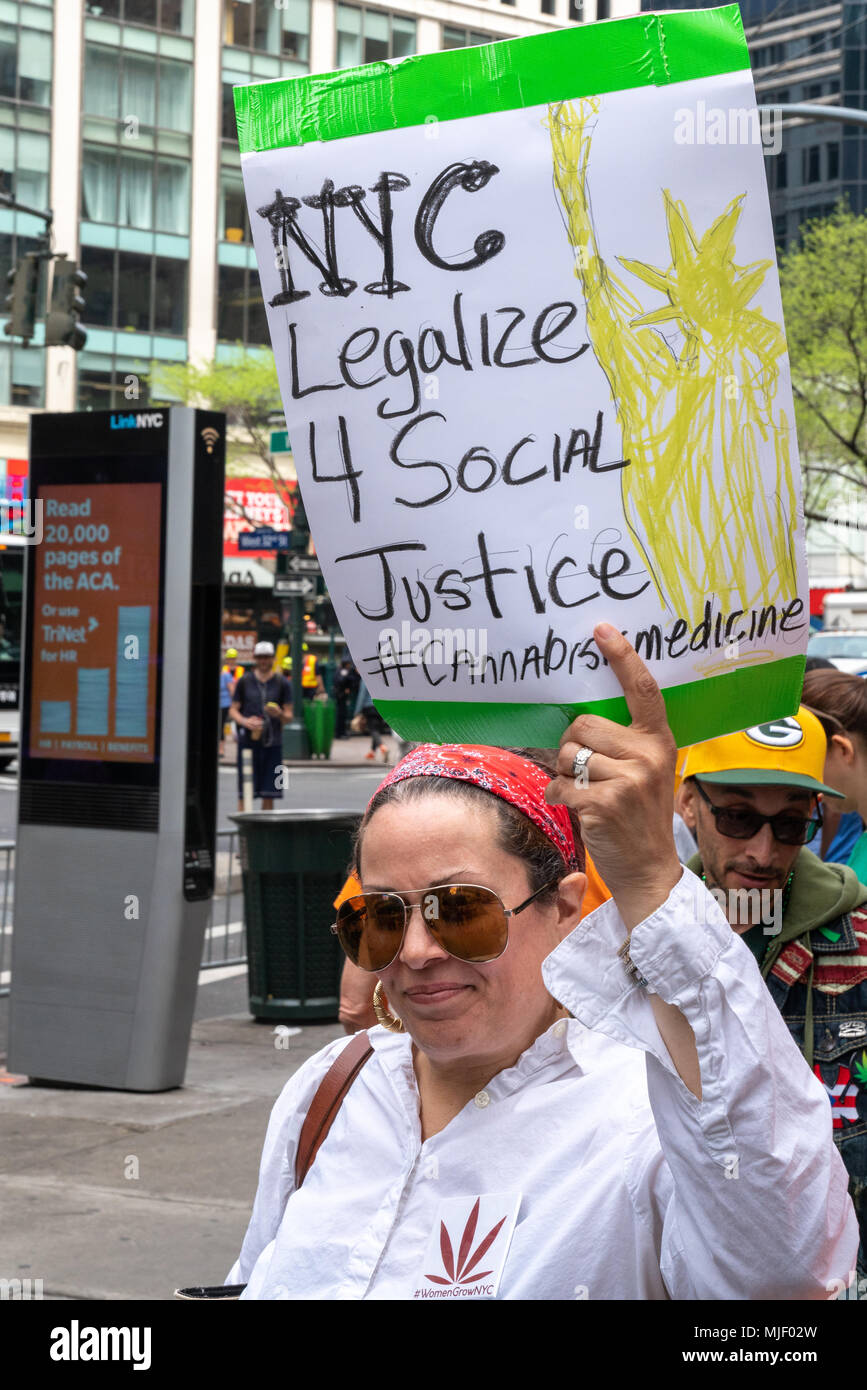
[(311, 681), (227, 690), (839, 701), (752, 801), (346, 684), (369, 720), (261, 705)]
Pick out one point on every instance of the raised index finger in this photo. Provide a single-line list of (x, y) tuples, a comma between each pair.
[(643, 696)]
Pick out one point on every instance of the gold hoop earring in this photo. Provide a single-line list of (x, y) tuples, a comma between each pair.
[(380, 1008)]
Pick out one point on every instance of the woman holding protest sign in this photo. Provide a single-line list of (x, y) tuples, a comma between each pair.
[(550, 1111)]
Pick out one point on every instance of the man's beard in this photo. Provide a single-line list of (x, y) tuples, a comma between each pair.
[(765, 877)]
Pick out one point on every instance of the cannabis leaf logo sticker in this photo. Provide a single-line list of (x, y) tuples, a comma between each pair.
[(860, 1069), (460, 1271)]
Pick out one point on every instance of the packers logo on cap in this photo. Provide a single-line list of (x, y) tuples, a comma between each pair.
[(787, 752), (782, 733)]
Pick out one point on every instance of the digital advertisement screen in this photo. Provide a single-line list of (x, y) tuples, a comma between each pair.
[(95, 597)]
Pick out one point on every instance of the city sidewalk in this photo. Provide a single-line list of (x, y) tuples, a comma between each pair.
[(116, 1195), (347, 752)]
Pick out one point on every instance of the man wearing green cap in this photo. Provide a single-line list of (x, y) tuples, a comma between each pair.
[(751, 800)]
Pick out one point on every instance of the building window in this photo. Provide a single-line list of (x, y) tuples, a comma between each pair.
[(128, 189), (229, 124), (464, 38), (547, 6), (99, 304), (141, 91), (264, 27), (576, 11), (810, 164), (833, 161), (134, 292), (174, 16), (25, 64), (295, 33), (369, 36), (240, 310), (603, 9), (24, 162), (111, 383), (234, 222), (770, 54)]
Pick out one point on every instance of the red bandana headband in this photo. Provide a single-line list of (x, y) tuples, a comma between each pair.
[(504, 774)]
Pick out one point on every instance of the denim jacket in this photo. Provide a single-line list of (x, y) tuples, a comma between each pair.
[(817, 976)]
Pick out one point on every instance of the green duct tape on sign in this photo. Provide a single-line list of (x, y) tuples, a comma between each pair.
[(526, 318)]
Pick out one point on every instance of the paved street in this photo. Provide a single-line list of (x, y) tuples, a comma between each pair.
[(338, 783)]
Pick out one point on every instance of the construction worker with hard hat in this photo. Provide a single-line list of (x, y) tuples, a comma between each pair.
[(228, 681)]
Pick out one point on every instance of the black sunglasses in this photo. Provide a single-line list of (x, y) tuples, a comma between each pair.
[(737, 823), (468, 921)]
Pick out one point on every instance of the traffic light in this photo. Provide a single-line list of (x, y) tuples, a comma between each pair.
[(62, 327), (21, 300)]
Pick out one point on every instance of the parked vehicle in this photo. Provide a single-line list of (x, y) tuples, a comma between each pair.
[(845, 647), (845, 610)]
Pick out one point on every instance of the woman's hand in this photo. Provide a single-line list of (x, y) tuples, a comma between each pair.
[(626, 806)]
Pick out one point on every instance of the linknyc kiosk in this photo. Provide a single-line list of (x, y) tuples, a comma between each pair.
[(119, 734)]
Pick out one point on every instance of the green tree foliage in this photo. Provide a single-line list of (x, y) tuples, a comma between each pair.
[(247, 390), (824, 287)]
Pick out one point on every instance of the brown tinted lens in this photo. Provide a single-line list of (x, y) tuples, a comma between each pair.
[(370, 929), (468, 922)]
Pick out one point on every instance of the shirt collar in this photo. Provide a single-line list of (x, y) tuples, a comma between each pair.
[(557, 1044)]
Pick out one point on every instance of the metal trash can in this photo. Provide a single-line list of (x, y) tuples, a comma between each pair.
[(293, 864)]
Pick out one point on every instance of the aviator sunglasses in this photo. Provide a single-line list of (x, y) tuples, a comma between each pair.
[(468, 921), (738, 823)]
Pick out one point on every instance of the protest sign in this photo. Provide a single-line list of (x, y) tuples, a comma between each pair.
[(526, 319)]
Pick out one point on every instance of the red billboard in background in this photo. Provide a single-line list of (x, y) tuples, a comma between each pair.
[(263, 506)]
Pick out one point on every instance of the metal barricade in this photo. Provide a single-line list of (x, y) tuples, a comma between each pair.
[(225, 941)]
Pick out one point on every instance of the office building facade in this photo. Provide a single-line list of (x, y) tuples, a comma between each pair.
[(118, 115), (805, 51)]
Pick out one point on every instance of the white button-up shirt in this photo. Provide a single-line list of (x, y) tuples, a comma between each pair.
[(631, 1188)]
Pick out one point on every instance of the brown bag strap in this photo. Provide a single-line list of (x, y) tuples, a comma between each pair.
[(327, 1101), (317, 1122)]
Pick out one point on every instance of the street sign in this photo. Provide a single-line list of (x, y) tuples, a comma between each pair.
[(288, 586), (263, 538), (303, 564), (280, 442)]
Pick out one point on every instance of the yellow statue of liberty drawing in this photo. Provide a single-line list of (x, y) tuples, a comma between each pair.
[(694, 411)]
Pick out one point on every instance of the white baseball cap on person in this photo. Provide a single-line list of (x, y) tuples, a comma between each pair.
[(263, 649)]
